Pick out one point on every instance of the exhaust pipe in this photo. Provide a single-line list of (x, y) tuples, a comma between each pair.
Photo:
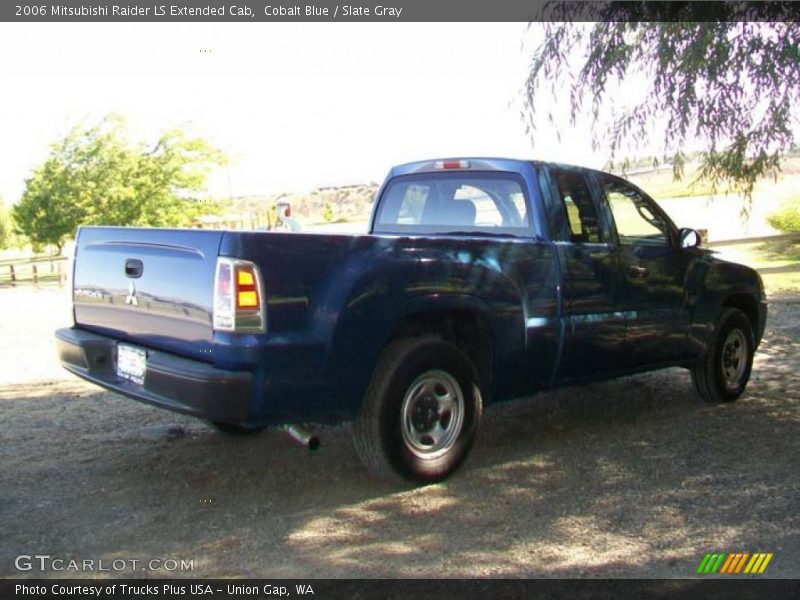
[(303, 436)]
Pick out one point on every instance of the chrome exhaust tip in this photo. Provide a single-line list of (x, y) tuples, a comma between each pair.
[(303, 436)]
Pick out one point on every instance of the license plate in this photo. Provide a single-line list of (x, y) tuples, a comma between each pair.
[(131, 363)]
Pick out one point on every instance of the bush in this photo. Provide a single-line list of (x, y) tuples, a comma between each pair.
[(327, 213), (787, 218), (6, 228)]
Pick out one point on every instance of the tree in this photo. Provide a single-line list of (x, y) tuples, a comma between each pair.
[(96, 176), (6, 230), (729, 81)]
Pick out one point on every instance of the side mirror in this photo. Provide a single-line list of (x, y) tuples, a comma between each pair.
[(688, 238)]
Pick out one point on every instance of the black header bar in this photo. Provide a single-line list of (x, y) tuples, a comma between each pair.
[(386, 589), (251, 11)]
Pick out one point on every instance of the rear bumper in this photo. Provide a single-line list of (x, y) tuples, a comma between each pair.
[(171, 382)]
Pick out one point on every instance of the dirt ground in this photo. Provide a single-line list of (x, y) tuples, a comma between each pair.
[(631, 478)]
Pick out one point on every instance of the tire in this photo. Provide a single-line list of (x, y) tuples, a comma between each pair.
[(236, 429), (722, 373), (421, 412)]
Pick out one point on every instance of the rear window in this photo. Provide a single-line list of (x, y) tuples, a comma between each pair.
[(471, 203)]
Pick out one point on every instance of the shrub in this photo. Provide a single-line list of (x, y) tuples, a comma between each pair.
[(6, 228), (787, 218)]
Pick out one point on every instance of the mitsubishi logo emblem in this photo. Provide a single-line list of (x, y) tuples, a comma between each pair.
[(131, 297)]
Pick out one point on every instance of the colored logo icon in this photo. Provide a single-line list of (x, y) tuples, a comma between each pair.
[(739, 563)]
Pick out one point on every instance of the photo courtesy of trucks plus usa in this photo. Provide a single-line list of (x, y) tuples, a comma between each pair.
[(480, 280)]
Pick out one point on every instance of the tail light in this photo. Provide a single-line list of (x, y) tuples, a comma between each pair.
[(238, 297)]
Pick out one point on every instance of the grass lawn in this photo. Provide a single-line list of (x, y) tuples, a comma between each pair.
[(661, 185), (777, 261)]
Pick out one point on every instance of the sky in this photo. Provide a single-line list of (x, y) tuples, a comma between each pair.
[(295, 106)]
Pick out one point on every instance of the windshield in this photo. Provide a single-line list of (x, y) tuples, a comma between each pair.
[(463, 203)]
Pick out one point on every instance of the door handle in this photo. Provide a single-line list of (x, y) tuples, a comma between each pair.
[(133, 268), (640, 272)]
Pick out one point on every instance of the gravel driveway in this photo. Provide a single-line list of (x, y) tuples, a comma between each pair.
[(630, 478)]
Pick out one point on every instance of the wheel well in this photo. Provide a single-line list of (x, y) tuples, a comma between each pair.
[(462, 328), (747, 304)]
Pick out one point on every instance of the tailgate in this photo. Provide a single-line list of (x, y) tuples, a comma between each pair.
[(153, 287)]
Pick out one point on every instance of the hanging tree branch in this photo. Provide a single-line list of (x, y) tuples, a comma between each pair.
[(731, 83)]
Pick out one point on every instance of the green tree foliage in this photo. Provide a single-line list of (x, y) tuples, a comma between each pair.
[(96, 176), (6, 229), (327, 212), (787, 218), (730, 83)]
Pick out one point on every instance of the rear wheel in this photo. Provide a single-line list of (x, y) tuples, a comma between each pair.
[(421, 411), (722, 373)]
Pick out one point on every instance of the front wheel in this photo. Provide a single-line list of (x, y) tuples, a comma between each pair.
[(722, 373), (421, 411)]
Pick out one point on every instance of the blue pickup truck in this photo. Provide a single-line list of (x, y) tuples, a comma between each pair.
[(479, 280)]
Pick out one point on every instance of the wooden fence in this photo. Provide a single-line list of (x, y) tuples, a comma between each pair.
[(793, 267), (38, 269), (785, 237)]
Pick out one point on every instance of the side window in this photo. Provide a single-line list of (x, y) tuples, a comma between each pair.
[(637, 223), (582, 218)]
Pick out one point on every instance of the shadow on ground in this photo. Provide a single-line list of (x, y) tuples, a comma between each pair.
[(629, 478)]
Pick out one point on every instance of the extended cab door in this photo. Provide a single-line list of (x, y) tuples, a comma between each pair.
[(654, 273), (592, 308)]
